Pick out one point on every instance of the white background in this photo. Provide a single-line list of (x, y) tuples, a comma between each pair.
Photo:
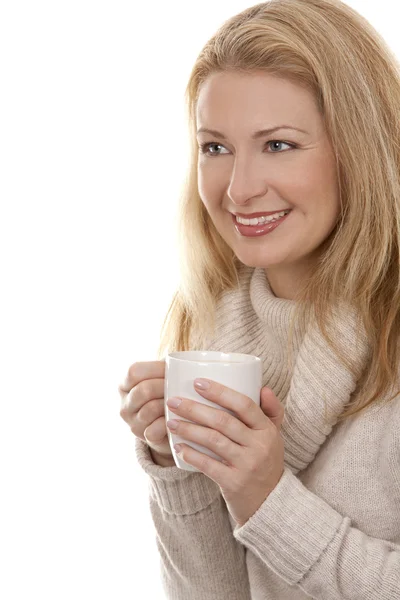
[(93, 154)]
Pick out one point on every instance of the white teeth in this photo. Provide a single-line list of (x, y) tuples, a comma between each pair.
[(260, 220)]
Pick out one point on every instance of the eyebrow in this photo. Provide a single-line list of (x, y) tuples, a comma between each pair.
[(256, 135)]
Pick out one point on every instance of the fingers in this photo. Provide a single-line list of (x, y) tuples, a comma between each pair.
[(220, 444), (272, 407), (243, 406), (213, 418), (156, 433), (150, 412), (141, 394), (141, 371), (142, 404), (144, 392)]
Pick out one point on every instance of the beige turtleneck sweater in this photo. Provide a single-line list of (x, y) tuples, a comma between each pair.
[(330, 530)]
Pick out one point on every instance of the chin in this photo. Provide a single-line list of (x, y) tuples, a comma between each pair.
[(258, 262)]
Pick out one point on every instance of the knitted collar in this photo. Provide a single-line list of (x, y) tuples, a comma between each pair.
[(319, 387)]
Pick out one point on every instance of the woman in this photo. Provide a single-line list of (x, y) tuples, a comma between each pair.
[(309, 507)]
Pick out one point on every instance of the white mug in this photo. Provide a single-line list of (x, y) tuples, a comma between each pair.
[(240, 372)]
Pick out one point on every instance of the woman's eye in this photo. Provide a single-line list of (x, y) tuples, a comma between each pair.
[(205, 148), (279, 142)]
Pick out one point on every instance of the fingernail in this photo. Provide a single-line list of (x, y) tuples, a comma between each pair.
[(202, 384), (174, 402), (173, 424)]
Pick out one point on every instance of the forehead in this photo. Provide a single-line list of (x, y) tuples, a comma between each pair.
[(228, 99)]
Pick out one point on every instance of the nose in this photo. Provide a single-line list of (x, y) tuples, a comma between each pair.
[(247, 181)]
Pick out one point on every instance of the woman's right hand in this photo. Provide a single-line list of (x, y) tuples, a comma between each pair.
[(142, 408)]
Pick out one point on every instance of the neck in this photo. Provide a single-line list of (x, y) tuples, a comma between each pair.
[(287, 281)]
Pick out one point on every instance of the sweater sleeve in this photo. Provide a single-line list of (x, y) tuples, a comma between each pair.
[(309, 544), (199, 557)]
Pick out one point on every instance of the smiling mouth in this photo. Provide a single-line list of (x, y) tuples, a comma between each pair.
[(260, 228), (262, 219)]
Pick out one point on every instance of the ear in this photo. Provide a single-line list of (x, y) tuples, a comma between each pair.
[(271, 406)]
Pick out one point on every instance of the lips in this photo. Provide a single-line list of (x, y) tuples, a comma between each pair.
[(261, 214), (261, 229)]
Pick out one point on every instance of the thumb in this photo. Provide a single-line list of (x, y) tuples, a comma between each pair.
[(271, 406)]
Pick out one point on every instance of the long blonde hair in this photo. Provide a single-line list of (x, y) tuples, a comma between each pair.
[(334, 52)]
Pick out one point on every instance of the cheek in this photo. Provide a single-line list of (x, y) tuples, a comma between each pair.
[(329, 201), (209, 188), (317, 194)]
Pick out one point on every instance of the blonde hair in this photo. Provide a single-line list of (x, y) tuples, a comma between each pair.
[(335, 53)]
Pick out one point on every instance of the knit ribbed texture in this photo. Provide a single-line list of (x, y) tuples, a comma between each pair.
[(176, 491), (293, 532), (295, 529), (331, 527)]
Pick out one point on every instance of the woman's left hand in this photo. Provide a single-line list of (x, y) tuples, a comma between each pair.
[(250, 444)]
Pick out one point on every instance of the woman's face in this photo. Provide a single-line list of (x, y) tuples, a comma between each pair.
[(240, 173)]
